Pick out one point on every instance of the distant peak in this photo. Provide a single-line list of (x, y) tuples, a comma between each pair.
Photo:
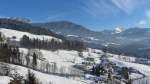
[(25, 20), (119, 29), (63, 21)]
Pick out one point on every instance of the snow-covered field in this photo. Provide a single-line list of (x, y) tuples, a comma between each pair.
[(61, 58), (65, 57), (68, 58), (43, 78), (5, 79), (9, 33), (140, 67), (144, 69)]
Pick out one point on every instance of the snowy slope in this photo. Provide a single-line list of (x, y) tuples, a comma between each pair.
[(140, 67), (72, 36), (44, 78), (5, 79), (144, 69), (9, 33), (67, 59), (61, 57)]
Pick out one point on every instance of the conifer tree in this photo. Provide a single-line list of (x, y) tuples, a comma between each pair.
[(34, 61), (31, 79)]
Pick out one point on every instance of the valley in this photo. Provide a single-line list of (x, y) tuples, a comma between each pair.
[(69, 66)]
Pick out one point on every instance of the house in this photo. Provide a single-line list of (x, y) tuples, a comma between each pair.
[(89, 61), (12, 41)]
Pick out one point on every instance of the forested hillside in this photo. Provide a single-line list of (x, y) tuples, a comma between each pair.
[(27, 27)]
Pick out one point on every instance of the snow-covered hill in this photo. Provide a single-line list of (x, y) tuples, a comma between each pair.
[(9, 33), (66, 60), (43, 78)]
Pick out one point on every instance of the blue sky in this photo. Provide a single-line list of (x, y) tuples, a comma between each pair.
[(94, 14)]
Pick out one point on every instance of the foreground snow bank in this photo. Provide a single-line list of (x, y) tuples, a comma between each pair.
[(45, 78), (5, 79)]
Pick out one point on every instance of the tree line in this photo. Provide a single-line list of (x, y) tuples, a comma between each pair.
[(12, 55), (51, 45)]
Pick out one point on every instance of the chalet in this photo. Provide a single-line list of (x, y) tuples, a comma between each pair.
[(13, 41), (89, 61)]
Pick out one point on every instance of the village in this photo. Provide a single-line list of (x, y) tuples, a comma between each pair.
[(103, 71)]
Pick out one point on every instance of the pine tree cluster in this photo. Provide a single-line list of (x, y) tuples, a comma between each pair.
[(51, 45)]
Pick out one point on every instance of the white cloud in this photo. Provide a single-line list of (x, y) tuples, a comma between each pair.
[(56, 16), (142, 22), (147, 14), (146, 19), (124, 5), (98, 7)]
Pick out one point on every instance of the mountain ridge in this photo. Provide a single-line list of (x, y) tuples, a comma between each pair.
[(111, 38), (119, 42)]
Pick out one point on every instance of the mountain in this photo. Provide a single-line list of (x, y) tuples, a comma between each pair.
[(119, 39), (66, 28), (16, 24), (33, 54), (20, 25), (119, 29), (71, 30), (24, 64), (48, 66)]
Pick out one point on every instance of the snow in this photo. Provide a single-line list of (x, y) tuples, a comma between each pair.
[(118, 29), (107, 44), (92, 38), (123, 57), (140, 67), (135, 75), (72, 36), (68, 58), (5, 79), (9, 33), (126, 61), (24, 50), (60, 57), (44, 78)]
